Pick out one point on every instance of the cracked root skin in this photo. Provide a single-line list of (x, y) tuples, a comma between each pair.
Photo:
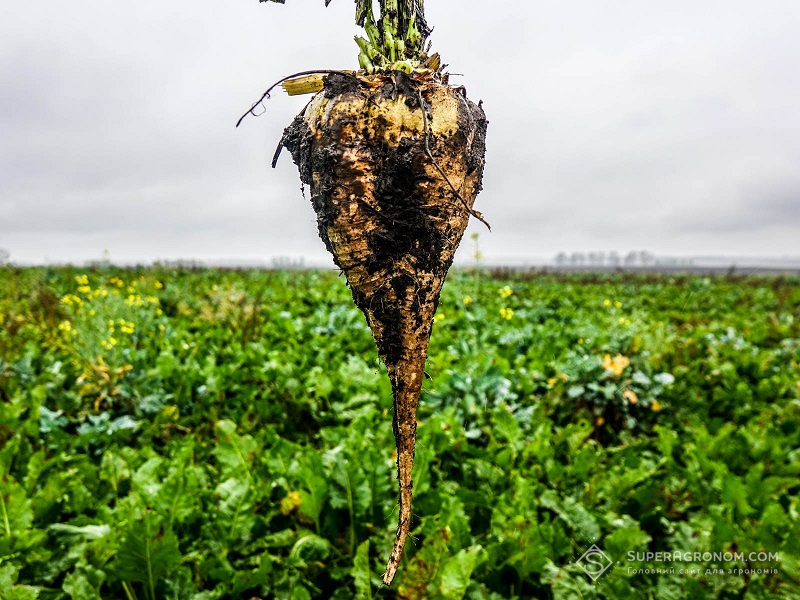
[(390, 219)]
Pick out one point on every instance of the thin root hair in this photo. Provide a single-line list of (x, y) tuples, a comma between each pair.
[(266, 95)]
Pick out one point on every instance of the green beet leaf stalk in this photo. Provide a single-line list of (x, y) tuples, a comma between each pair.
[(394, 40)]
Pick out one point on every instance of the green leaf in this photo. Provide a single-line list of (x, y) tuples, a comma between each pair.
[(179, 498), (420, 575), (299, 592), (16, 515), (114, 468), (361, 572), (457, 572), (734, 493), (312, 473), (236, 509), (574, 513), (506, 425), (310, 548), (50, 420), (181, 584), (8, 576), (147, 553), (234, 453), (84, 583), (22, 592), (254, 578), (352, 488), (9, 591), (667, 438), (628, 538), (87, 532), (575, 391)]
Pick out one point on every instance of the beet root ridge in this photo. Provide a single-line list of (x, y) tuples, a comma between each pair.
[(382, 178)]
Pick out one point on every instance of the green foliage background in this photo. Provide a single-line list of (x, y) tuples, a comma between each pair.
[(197, 434)]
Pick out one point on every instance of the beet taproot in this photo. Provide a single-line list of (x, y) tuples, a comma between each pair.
[(394, 162)]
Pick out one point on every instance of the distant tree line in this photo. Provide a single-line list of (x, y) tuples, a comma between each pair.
[(634, 258)]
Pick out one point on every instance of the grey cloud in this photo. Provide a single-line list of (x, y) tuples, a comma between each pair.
[(752, 207)]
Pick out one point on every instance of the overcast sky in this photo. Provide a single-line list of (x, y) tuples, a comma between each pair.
[(672, 126)]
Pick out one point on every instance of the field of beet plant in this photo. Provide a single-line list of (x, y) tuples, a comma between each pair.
[(199, 434)]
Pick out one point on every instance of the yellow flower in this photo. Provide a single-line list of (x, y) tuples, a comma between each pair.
[(158, 285), (606, 302), (82, 279), (599, 422), (505, 292), (622, 320), (290, 503), (92, 312), (438, 317), (112, 341), (71, 299), (616, 365), (552, 381), (655, 406), (468, 300), (159, 312), (65, 326), (580, 340), (630, 396), (84, 289), (618, 304), (506, 313)]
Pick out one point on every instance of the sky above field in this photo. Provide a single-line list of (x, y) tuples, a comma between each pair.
[(671, 127)]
